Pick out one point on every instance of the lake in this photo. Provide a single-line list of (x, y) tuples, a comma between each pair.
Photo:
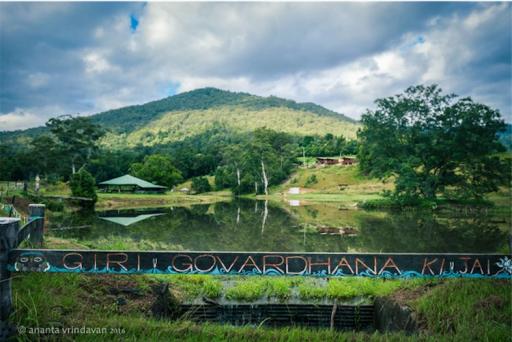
[(246, 225)]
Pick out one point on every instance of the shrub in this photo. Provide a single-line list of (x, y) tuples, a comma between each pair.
[(83, 184), (311, 180), (200, 184), (158, 169), (55, 206)]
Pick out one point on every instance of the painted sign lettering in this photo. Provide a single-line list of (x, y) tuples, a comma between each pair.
[(248, 263)]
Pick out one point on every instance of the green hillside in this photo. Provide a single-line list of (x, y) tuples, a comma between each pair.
[(174, 126), (186, 114), (194, 112)]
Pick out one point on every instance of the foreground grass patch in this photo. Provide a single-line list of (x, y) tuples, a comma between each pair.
[(468, 309), (346, 288), (455, 310)]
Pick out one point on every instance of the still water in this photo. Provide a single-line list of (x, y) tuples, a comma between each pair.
[(258, 226)]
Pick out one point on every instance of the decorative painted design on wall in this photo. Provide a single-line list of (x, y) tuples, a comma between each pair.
[(31, 262), (246, 263)]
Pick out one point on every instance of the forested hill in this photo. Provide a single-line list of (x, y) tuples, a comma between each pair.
[(193, 112), (127, 119)]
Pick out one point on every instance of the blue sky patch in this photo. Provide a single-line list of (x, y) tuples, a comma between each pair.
[(134, 22), (172, 88)]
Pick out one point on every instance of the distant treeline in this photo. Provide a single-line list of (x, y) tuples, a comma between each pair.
[(244, 162)]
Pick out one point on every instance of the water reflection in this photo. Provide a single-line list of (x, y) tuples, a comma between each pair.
[(261, 226), (425, 232), (128, 217)]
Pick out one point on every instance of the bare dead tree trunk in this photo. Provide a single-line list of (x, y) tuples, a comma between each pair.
[(73, 168), (265, 214), (238, 216), (265, 179), (238, 176)]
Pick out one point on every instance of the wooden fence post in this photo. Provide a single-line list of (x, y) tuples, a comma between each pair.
[(37, 211), (8, 240)]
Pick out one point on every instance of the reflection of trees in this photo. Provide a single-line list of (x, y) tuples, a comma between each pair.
[(235, 226), (424, 232)]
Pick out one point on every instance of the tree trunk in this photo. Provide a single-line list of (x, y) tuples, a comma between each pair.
[(265, 179), (73, 168), (265, 214)]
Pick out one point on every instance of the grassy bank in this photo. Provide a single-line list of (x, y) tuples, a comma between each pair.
[(458, 310), (123, 200), (330, 184), (128, 200)]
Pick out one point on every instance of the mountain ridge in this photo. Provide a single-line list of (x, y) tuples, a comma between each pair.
[(212, 106), (209, 97)]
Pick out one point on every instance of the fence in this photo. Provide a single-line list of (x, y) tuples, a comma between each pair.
[(395, 265)]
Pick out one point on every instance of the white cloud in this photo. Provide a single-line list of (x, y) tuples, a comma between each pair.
[(96, 63), (340, 55), (19, 120)]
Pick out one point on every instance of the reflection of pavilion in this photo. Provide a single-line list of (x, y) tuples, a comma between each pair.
[(127, 219)]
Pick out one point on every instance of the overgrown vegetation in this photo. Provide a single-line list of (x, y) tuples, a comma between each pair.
[(158, 169), (200, 185), (433, 144), (83, 184)]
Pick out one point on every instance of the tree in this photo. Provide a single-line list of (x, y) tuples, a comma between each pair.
[(265, 158), (77, 137), (433, 144), (110, 164), (200, 185), (46, 150), (158, 169), (83, 184)]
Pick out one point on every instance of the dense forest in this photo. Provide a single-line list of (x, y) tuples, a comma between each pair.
[(425, 158), (244, 162)]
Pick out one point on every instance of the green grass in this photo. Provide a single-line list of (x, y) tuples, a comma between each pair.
[(346, 288), (455, 310), (468, 309), (126, 200), (329, 179), (251, 289), (332, 184), (143, 329)]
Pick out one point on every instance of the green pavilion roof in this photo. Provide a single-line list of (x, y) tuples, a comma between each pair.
[(130, 180)]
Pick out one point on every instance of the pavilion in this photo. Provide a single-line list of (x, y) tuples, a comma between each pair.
[(128, 183)]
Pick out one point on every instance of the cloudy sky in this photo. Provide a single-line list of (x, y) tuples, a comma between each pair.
[(69, 58)]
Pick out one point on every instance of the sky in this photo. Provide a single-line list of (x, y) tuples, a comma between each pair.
[(84, 58)]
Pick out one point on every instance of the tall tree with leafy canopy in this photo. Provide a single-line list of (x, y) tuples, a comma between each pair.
[(83, 184), (433, 143), (158, 169), (264, 159), (77, 137)]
